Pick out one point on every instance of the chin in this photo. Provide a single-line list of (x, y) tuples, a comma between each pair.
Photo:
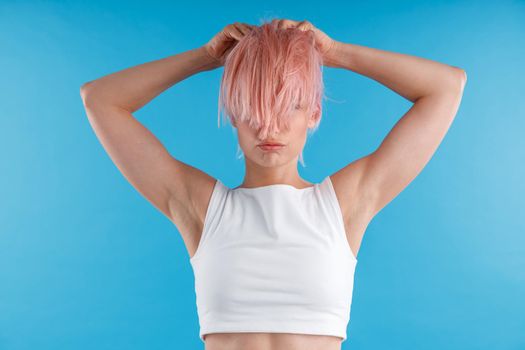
[(272, 161)]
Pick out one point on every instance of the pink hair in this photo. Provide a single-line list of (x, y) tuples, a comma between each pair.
[(270, 72)]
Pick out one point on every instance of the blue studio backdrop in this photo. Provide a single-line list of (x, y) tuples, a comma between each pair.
[(87, 263)]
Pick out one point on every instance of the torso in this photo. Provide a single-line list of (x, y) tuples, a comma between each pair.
[(272, 341)]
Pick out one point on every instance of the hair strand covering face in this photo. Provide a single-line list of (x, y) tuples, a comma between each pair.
[(268, 74)]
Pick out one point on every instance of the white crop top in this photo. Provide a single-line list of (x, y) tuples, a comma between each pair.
[(274, 259)]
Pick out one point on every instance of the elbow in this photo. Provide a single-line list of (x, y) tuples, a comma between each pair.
[(453, 84), (461, 78), (463, 74), (92, 93), (88, 94), (85, 88)]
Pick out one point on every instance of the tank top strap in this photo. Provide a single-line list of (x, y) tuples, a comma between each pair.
[(213, 214), (331, 204), (329, 199)]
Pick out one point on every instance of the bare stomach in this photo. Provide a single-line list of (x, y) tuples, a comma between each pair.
[(270, 341)]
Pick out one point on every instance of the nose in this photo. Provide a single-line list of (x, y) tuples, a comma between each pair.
[(265, 135)]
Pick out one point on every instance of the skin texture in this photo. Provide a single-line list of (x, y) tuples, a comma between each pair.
[(278, 166), (363, 187)]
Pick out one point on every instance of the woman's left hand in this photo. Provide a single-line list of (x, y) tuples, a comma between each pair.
[(324, 43)]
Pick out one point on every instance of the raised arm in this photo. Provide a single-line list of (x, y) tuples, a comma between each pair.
[(180, 191), (371, 182), (109, 103)]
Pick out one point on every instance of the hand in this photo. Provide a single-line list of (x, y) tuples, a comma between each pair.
[(223, 42), (324, 43)]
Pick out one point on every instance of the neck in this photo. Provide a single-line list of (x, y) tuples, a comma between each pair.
[(257, 175)]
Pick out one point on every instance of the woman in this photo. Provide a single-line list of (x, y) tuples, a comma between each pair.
[(274, 258)]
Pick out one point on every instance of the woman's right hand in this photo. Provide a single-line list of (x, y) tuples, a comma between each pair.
[(223, 42)]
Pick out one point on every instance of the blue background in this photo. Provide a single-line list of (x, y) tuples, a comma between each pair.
[(87, 263)]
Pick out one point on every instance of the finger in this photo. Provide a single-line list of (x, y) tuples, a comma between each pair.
[(290, 23), (245, 29), (242, 29), (235, 33), (285, 23), (251, 26), (304, 25)]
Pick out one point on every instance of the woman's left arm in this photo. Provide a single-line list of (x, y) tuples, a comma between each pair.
[(435, 89)]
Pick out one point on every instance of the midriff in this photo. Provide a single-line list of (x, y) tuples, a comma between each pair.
[(270, 341)]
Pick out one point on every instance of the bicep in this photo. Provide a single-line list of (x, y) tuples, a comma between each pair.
[(408, 146)]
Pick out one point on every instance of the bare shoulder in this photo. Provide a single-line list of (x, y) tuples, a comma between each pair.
[(188, 204)]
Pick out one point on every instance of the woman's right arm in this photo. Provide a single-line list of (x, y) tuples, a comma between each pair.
[(134, 87), (173, 187)]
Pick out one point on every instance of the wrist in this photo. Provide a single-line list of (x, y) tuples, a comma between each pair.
[(336, 55), (208, 62)]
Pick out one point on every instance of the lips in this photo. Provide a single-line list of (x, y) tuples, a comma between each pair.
[(270, 147), (271, 143)]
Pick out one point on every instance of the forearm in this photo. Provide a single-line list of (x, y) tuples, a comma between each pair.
[(410, 76), (134, 87)]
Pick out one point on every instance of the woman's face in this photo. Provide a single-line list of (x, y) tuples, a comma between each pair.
[(293, 140)]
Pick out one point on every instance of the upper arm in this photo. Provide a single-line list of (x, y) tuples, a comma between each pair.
[(408, 147), (172, 186)]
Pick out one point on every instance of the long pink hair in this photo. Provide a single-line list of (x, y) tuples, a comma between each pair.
[(268, 74)]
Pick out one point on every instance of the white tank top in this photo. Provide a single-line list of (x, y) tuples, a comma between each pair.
[(274, 259)]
